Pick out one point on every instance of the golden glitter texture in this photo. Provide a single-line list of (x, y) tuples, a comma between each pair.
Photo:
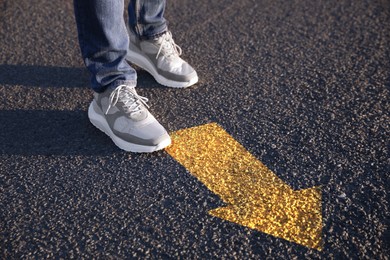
[(255, 196)]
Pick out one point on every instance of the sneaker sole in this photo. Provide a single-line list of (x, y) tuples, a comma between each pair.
[(100, 123), (145, 64)]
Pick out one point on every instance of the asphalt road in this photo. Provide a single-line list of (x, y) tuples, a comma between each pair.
[(302, 85)]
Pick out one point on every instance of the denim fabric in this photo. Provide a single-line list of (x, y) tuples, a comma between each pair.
[(104, 39), (146, 18)]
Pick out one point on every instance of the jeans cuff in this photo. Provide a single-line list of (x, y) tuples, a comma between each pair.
[(154, 35), (116, 83)]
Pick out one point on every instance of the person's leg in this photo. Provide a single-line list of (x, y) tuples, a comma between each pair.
[(152, 47), (104, 42), (146, 18), (116, 109)]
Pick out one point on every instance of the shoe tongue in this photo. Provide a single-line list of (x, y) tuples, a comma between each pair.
[(162, 37), (167, 45), (140, 114)]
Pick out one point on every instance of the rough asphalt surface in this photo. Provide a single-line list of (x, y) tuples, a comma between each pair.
[(303, 85)]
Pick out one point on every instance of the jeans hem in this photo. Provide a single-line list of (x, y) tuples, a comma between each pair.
[(115, 84), (153, 36)]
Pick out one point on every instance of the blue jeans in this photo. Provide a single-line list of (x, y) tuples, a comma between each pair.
[(104, 40)]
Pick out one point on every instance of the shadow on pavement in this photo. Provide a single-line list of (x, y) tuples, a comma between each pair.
[(52, 76), (38, 132), (43, 132), (43, 76)]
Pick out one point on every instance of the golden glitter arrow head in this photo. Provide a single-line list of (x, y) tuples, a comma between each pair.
[(295, 217), (256, 197)]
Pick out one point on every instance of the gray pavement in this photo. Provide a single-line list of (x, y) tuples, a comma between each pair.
[(303, 85)]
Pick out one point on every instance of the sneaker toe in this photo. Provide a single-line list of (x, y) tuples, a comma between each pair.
[(182, 73), (151, 134)]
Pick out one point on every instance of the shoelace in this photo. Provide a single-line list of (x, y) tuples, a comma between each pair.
[(132, 102), (169, 46)]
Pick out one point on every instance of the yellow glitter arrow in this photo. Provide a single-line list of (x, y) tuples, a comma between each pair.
[(255, 196)]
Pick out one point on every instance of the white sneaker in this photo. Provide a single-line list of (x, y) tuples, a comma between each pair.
[(160, 57), (122, 114)]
